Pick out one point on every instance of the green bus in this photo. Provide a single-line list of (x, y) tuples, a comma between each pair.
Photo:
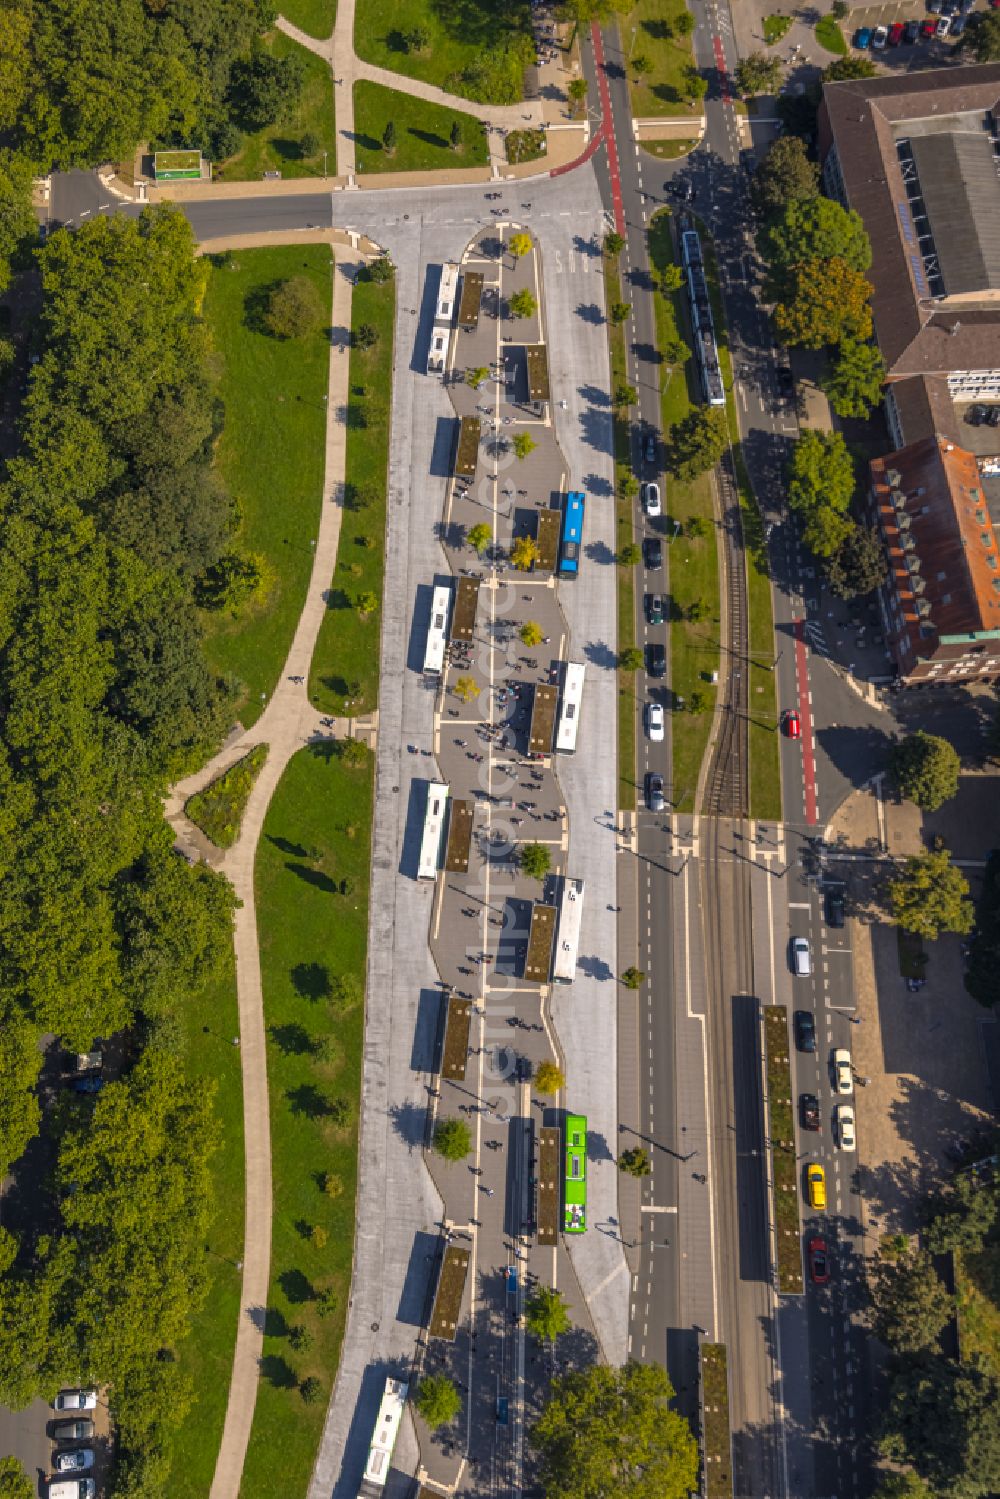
[(575, 1215)]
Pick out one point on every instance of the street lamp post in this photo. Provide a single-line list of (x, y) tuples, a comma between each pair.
[(324, 163)]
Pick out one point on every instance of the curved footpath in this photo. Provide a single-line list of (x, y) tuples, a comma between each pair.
[(288, 723)]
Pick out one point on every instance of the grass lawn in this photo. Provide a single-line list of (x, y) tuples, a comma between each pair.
[(830, 36), (317, 834), (276, 148), (271, 454), (670, 150), (783, 1164), (218, 810), (316, 17), (765, 761), (649, 31), (718, 1439), (694, 560), (473, 47), (624, 536), (343, 674), (209, 1024), (775, 27), (977, 1281), (423, 133)]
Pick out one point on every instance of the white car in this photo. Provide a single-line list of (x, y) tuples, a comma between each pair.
[(77, 1461), (654, 722), (651, 499), (75, 1400), (880, 38), (845, 1127), (842, 1079)]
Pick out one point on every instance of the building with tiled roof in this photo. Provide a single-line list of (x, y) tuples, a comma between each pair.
[(941, 600)]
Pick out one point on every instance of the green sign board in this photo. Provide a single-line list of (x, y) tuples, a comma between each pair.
[(172, 166)]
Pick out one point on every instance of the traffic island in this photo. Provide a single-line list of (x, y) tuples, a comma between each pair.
[(449, 1294), (781, 1134), (548, 1186), (716, 1435)]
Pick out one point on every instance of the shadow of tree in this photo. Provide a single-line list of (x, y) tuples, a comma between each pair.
[(311, 981), (314, 877), (278, 1372), (297, 1288), (308, 1101), (291, 1039), (285, 846)]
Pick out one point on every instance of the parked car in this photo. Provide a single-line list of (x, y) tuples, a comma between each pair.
[(976, 415), (879, 38), (88, 1084), (928, 28), (896, 33), (75, 1400), (809, 1103), (654, 792), (71, 1488), (76, 1461), (681, 188), (834, 905), (942, 28), (958, 25), (652, 552), (912, 32), (654, 608), (805, 1030), (656, 659), (786, 380), (863, 38), (792, 724), (800, 954), (843, 1081), (819, 1263), (993, 416), (816, 1186), (650, 448), (73, 1431), (654, 722), (846, 1138), (651, 499)]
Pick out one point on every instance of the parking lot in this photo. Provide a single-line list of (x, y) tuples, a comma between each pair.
[(908, 51)]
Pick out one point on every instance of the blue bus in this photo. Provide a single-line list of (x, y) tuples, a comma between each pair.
[(572, 535)]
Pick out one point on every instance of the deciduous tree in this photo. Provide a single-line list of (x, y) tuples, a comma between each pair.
[(452, 1139), (294, 309), (549, 1078), (535, 860), (479, 537), (758, 73), (931, 896), (853, 382), (910, 1305), (630, 659), (523, 304), (815, 228), (524, 553), (524, 444), (860, 566), (634, 1162), (963, 1213), (925, 767), (944, 1418), (546, 1315), (607, 1431), (697, 442), (822, 302), (437, 1399), (785, 174)]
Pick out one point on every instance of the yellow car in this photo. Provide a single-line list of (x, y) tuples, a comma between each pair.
[(816, 1182)]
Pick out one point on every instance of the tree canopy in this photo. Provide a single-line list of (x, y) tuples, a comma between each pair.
[(820, 487), (697, 442), (853, 382), (609, 1433), (545, 1314), (82, 82), (925, 768), (962, 1213), (944, 1418), (930, 896), (815, 228), (986, 37), (859, 567), (437, 1399), (822, 302), (910, 1305), (784, 175), (758, 73)]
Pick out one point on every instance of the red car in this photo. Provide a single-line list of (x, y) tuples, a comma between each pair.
[(793, 724), (896, 33), (928, 27), (819, 1264)]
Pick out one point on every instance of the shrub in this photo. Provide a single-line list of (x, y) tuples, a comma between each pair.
[(294, 309)]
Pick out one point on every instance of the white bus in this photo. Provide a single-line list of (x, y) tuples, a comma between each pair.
[(444, 317), (568, 931), (430, 843), (437, 630), (390, 1413), (569, 712)]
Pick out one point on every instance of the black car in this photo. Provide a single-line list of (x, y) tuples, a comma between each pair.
[(682, 189), (786, 380), (805, 1030), (958, 25), (654, 792), (652, 552), (912, 31), (835, 905), (976, 415), (656, 659), (993, 416), (649, 448), (809, 1110)]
